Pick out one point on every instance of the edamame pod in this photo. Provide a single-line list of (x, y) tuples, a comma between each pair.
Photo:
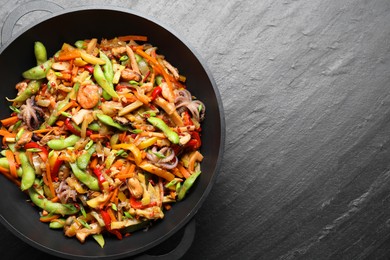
[(31, 89), (5, 164), (109, 121), (40, 53), (39, 71), (168, 132), (28, 172), (49, 206), (59, 144), (103, 82), (84, 177), (187, 185), (83, 160)]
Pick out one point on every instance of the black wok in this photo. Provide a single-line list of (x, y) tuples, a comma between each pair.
[(16, 55)]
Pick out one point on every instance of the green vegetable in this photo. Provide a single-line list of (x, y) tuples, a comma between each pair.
[(187, 185), (5, 164), (107, 120), (39, 71), (52, 207), (103, 82), (107, 67), (40, 53), (31, 89), (59, 144), (83, 160), (80, 44), (57, 224), (99, 239), (85, 178), (168, 132), (28, 172)]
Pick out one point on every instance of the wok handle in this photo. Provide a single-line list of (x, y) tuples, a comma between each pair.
[(20, 11), (179, 251)]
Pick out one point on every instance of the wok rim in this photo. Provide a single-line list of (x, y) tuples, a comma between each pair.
[(222, 131)]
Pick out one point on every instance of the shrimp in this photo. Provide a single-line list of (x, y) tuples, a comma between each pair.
[(88, 96)]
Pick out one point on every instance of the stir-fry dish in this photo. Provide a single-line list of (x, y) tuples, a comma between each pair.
[(103, 137)]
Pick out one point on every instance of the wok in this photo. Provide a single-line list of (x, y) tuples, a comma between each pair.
[(16, 55)]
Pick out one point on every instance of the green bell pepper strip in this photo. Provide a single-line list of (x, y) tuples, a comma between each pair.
[(40, 53), (103, 82), (187, 185), (28, 172), (83, 160), (31, 89), (52, 207), (60, 144), (107, 120), (168, 132), (38, 72), (84, 177)]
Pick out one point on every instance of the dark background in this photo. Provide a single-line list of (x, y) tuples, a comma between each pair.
[(306, 91)]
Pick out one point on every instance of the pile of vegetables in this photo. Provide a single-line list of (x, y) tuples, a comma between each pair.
[(103, 137)]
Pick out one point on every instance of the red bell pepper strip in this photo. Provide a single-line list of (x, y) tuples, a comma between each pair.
[(100, 176), (56, 169), (36, 145), (74, 129), (156, 92), (195, 141), (89, 68), (107, 222), (187, 118), (44, 152), (137, 204)]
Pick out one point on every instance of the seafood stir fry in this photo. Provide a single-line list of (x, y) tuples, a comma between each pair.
[(103, 137)]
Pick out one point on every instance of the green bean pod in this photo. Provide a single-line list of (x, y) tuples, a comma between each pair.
[(31, 89), (187, 185), (39, 71), (52, 207), (103, 82), (60, 144), (107, 67), (28, 172), (40, 53), (84, 177), (168, 132), (83, 160), (107, 120)]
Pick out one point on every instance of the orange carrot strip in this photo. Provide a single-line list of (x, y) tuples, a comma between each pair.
[(111, 214), (4, 170), (49, 180), (161, 69), (127, 38), (6, 173), (114, 195), (97, 136), (183, 170), (11, 161), (5, 133), (93, 163), (40, 131), (9, 121), (48, 219), (55, 199), (66, 107)]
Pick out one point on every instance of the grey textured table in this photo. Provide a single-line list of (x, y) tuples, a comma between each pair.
[(306, 91)]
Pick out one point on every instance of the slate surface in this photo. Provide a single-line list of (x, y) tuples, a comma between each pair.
[(306, 91)]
